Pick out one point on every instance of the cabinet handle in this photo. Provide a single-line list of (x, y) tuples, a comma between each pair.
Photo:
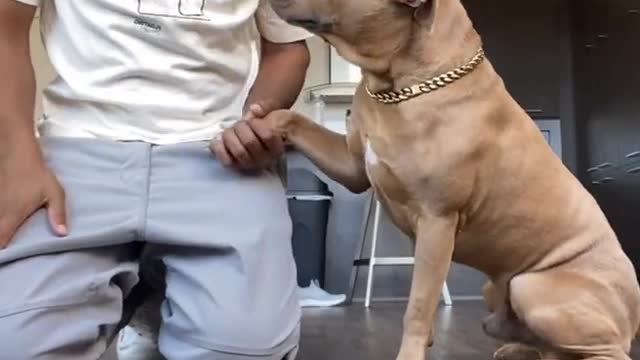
[(634, 170), (633, 154), (534, 111), (634, 11), (605, 165), (593, 169), (606, 180), (595, 182), (603, 36)]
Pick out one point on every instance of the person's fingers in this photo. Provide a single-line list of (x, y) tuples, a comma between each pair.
[(56, 208), (249, 115), (259, 153), (222, 154), (23, 206), (8, 226), (262, 108), (273, 142), (237, 150), (258, 110)]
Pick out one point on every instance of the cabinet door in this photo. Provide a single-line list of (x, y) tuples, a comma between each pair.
[(597, 112), (624, 53), (628, 210), (611, 112), (523, 42)]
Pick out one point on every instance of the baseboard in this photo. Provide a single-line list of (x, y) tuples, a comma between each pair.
[(459, 298)]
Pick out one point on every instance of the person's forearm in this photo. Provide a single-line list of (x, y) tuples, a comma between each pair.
[(17, 86), (17, 97), (283, 68)]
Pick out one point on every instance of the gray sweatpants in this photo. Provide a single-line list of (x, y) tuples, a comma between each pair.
[(224, 238)]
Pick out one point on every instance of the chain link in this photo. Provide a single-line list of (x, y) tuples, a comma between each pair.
[(438, 82)]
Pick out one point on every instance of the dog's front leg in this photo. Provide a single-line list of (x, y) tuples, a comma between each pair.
[(340, 157), (435, 239)]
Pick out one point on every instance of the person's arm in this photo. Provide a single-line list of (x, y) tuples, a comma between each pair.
[(283, 69), (17, 84), (26, 184), (282, 73), (282, 64), (284, 61)]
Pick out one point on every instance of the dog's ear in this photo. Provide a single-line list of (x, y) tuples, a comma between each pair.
[(428, 14), (412, 3), (425, 11)]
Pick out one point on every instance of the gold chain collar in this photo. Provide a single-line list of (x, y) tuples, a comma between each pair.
[(436, 83)]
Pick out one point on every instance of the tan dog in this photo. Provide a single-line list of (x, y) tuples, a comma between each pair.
[(464, 171)]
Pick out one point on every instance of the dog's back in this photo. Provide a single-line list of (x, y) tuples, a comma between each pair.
[(545, 236)]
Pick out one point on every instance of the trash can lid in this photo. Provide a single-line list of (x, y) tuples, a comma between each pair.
[(308, 197), (304, 182)]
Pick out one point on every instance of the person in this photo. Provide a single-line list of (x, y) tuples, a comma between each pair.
[(150, 145)]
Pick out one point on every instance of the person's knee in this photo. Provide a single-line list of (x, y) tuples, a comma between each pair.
[(46, 333), (252, 332), (18, 339), (258, 342)]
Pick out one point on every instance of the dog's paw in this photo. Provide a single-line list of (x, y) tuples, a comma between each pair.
[(517, 352), (493, 326), (413, 348)]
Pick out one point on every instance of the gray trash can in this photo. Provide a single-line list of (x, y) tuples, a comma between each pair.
[(309, 202)]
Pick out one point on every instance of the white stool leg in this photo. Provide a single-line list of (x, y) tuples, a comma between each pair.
[(372, 259), (446, 295)]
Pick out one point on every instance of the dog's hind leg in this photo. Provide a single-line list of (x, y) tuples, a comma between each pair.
[(505, 326), (571, 314), (493, 297), (502, 324), (515, 351)]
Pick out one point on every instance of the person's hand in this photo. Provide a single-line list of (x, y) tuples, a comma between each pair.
[(259, 110), (27, 185), (250, 144)]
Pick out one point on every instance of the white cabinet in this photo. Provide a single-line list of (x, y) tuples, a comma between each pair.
[(342, 71)]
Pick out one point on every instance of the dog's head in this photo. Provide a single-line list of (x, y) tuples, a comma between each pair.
[(369, 32)]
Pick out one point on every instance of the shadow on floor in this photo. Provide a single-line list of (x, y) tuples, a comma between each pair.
[(355, 333)]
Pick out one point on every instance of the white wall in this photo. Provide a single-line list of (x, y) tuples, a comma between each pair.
[(318, 72)]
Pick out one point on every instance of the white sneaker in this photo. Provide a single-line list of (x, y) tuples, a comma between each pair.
[(139, 339), (315, 296)]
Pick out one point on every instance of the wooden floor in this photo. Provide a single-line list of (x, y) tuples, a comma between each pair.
[(354, 333)]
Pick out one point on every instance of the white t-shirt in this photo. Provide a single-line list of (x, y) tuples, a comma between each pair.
[(159, 71)]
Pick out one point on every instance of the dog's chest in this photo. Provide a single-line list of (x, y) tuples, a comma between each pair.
[(380, 167), (389, 187), (370, 156)]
